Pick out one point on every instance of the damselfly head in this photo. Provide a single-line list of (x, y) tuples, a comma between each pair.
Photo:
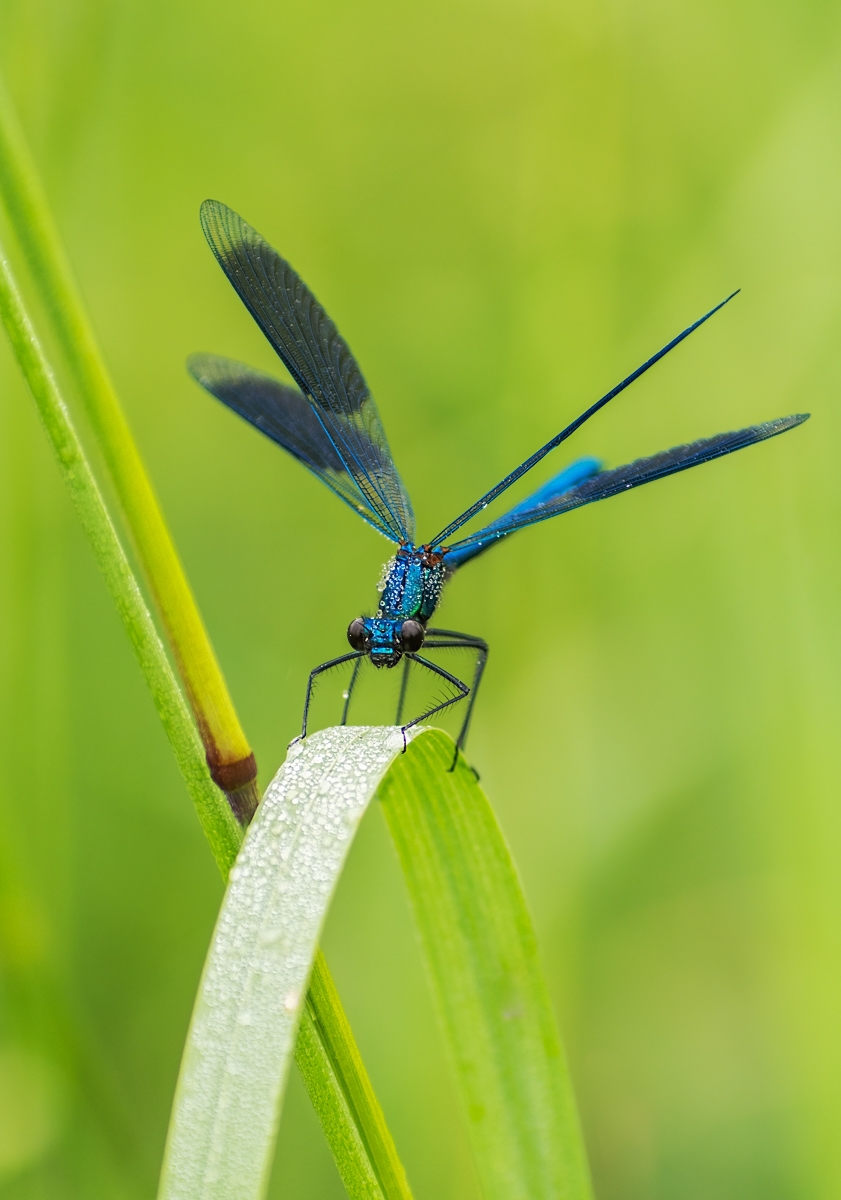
[(384, 640), (377, 637)]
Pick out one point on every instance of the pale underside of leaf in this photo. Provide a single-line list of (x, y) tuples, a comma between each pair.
[(254, 984)]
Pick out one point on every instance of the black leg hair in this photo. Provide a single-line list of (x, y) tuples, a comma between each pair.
[(454, 633), (462, 687)]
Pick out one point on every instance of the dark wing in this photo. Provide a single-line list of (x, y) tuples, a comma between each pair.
[(286, 416), (569, 430), (317, 358), (610, 483)]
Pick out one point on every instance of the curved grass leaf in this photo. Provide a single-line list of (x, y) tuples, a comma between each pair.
[(254, 985), (491, 995), (479, 947)]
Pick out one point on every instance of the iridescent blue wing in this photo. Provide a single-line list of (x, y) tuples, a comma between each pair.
[(285, 415), (570, 477), (318, 359), (610, 483)]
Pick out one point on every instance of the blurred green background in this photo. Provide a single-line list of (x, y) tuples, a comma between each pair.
[(506, 207)]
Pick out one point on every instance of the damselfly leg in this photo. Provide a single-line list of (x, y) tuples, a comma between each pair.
[(450, 639), (404, 683), (314, 673), (350, 688), (461, 687)]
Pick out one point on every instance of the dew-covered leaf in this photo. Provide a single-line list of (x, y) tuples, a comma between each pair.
[(254, 984)]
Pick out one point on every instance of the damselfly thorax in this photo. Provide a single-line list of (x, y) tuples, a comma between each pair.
[(411, 583)]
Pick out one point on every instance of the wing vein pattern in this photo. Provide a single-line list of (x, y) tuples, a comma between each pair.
[(550, 500), (321, 363)]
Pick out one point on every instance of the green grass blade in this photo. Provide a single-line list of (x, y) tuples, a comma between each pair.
[(218, 822), (327, 1042), (228, 752), (482, 956), (332, 1072), (253, 989)]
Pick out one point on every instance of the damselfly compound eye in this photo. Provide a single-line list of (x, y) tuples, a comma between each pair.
[(356, 634), (411, 635)]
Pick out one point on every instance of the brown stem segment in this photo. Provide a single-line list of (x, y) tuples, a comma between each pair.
[(238, 780)]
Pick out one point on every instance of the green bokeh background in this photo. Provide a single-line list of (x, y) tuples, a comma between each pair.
[(506, 206)]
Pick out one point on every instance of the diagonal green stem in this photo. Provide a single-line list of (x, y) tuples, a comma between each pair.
[(326, 1041), (326, 1052), (216, 817), (228, 752)]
